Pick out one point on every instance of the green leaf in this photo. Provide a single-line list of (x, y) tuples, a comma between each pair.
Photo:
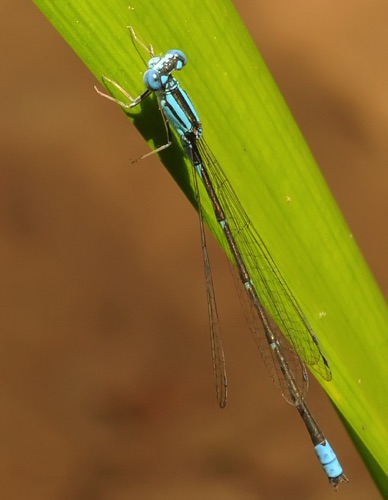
[(254, 137)]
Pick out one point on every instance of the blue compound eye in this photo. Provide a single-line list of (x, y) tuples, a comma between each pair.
[(151, 80), (180, 57)]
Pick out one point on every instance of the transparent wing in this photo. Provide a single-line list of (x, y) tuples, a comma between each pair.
[(293, 361), (218, 356), (276, 297)]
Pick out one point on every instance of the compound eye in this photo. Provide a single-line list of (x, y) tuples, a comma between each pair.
[(180, 58), (151, 80)]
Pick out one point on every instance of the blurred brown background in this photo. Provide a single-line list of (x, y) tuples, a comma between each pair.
[(106, 389)]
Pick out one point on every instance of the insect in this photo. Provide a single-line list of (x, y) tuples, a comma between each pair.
[(284, 337)]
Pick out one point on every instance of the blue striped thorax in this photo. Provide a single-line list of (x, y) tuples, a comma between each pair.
[(174, 102)]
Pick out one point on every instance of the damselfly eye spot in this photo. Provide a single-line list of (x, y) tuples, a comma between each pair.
[(179, 57)]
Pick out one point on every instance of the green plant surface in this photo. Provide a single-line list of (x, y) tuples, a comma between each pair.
[(254, 137)]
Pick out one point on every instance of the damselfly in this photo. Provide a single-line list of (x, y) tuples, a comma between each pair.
[(283, 336)]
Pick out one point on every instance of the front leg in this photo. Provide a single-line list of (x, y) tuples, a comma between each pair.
[(133, 101)]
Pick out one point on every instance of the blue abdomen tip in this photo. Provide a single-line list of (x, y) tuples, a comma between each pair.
[(328, 459)]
